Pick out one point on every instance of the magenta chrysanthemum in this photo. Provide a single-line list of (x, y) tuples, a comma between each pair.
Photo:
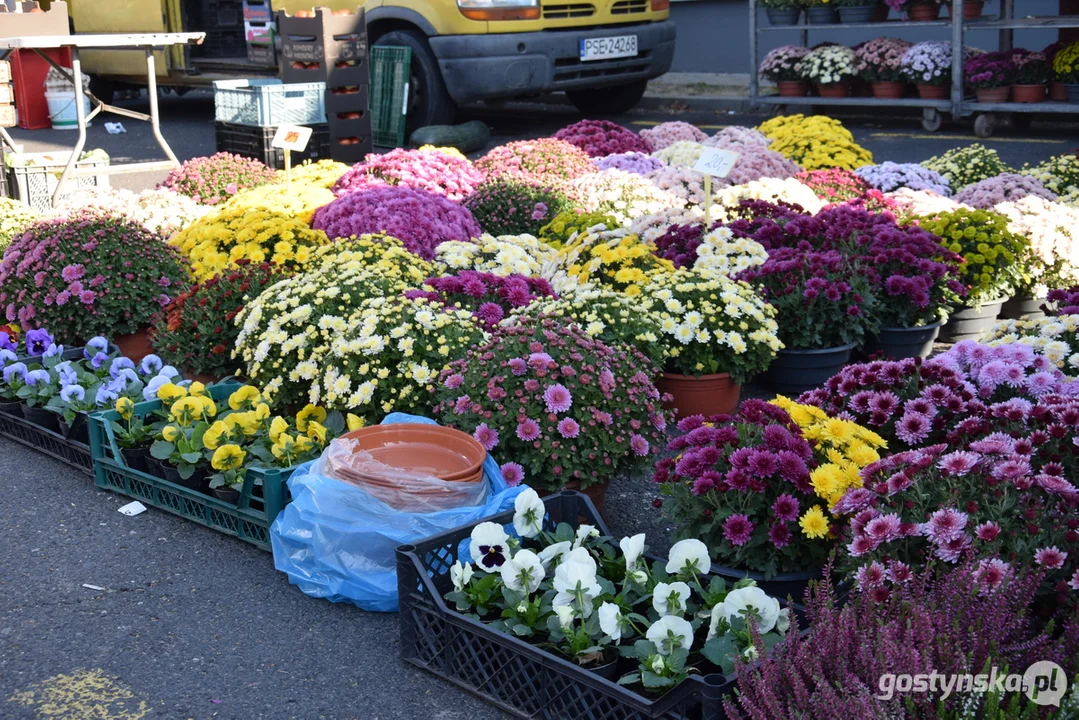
[(557, 398), (737, 529)]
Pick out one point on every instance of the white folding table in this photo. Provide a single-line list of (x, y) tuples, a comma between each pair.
[(111, 41)]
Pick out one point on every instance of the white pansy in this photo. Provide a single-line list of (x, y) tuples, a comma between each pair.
[(783, 622), (632, 548), (490, 545), (583, 533), (523, 572), (610, 621), (575, 582), (688, 557), (565, 615), (658, 664), (670, 633), (554, 552), (528, 514), (747, 601), (670, 598), (460, 575)]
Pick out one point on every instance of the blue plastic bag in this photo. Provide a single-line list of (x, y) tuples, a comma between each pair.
[(336, 541)]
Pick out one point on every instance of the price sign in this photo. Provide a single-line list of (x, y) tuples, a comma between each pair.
[(291, 137), (716, 162)]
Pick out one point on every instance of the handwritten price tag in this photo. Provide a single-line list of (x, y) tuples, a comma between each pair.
[(716, 162), (291, 137)]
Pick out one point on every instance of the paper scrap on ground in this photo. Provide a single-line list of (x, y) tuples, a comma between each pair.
[(133, 508), (114, 128), (92, 587)]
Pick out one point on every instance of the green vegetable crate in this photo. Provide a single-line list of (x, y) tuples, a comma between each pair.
[(262, 497)]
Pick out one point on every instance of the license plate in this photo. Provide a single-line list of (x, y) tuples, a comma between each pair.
[(605, 48)]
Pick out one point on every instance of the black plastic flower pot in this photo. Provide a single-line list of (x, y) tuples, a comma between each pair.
[(76, 430), (822, 16), (968, 323), (1022, 308), (857, 14), (12, 408), (794, 372), (163, 470), (228, 495), (899, 343), (137, 459), (783, 17), (781, 585), (42, 418)]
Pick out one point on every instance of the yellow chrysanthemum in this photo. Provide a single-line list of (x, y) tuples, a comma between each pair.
[(813, 523)]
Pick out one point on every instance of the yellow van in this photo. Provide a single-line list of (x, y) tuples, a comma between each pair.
[(601, 53)]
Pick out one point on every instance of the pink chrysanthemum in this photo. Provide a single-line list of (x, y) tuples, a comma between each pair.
[(738, 529)]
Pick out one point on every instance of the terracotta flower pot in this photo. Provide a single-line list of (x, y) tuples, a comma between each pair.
[(934, 92), (792, 88), (1058, 92), (888, 90), (704, 395), (972, 9), (993, 95), (1028, 93), (135, 346), (923, 12), (834, 90)]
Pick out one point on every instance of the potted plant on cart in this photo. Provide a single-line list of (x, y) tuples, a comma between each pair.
[(929, 66), (917, 10), (830, 69), (718, 334), (821, 12), (990, 75), (856, 11), (1066, 70), (880, 62), (782, 12), (972, 9), (1032, 74), (781, 67)]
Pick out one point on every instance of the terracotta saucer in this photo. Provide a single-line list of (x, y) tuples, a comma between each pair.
[(439, 451)]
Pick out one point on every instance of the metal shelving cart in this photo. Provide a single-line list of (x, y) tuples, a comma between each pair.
[(959, 105)]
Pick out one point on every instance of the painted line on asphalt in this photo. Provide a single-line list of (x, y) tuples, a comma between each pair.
[(82, 695), (926, 136)]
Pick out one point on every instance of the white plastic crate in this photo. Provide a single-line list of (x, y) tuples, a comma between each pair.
[(269, 102), (35, 178)]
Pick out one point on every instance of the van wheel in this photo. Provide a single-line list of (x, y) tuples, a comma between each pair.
[(428, 101), (609, 100)]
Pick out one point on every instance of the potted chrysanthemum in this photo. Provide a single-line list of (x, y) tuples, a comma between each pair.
[(781, 67), (782, 12), (830, 68), (1032, 73)]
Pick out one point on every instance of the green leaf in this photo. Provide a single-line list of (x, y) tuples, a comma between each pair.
[(162, 450), (191, 457), (720, 651), (335, 422), (631, 679), (651, 680), (185, 470)]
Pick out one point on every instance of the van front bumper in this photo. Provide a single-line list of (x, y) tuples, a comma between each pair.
[(480, 67)]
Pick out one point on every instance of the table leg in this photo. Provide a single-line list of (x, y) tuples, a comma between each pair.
[(151, 90), (80, 114)]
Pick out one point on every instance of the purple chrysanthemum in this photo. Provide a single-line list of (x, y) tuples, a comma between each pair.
[(558, 398), (737, 529)]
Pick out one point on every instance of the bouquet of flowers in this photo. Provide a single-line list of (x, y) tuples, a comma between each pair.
[(834, 185), (881, 60), (622, 195), (1055, 338), (302, 201), (889, 176), (585, 598), (610, 317), (614, 258), (709, 253), (389, 355), (321, 174), (781, 64), (419, 219), (88, 275), (668, 133), (214, 179), (634, 162), (548, 161), (159, 211), (506, 255), (197, 330), (489, 297), (514, 207), (1053, 232), (816, 142), (997, 261), (989, 70), (928, 63), (433, 171), (1066, 64), (713, 325), (569, 224), (219, 240), (563, 406), (828, 65), (15, 216), (291, 322), (1031, 68), (1059, 174), (599, 138), (682, 152), (823, 299), (1006, 187), (968, 165)]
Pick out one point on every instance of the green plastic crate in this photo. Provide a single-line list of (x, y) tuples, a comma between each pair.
[(390, 68), (263, 496)]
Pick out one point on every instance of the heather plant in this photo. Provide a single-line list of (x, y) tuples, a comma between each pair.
[(909, 623), (514, 207), (214, 179), (88, 275), (890, 176), (881, 59), (634, 162), (1006, 187), (967, 165), (490, 298), (599, 138), (433, 171), (668, 133), (419, 219)]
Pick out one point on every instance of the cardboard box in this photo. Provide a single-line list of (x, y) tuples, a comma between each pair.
[(258, 33), (34, 24), (335, 73), (8, 118), (264, 55), (5, 71), (7, 94), (258, 11), (323, 37)]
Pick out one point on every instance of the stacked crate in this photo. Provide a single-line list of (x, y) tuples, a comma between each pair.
[(259, 31), (247, 114), (332, 48), (223, 23)]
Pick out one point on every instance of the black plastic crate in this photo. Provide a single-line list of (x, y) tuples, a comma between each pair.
[(59, 445), (518, 677), (254, 142), (227, 43), (222, 14)]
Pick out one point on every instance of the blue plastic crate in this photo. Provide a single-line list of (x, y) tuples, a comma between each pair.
[(269, 102)]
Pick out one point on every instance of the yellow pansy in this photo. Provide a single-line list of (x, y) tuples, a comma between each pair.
[(209, 407), (125, 407), (247, 396), (284, 446), (170, 433), (228, 457), (170, 392), (355, 422), (262, 411), (310, 412), (186, 410), (277, 426), (197, 389), (317, 431), (214, 434)]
